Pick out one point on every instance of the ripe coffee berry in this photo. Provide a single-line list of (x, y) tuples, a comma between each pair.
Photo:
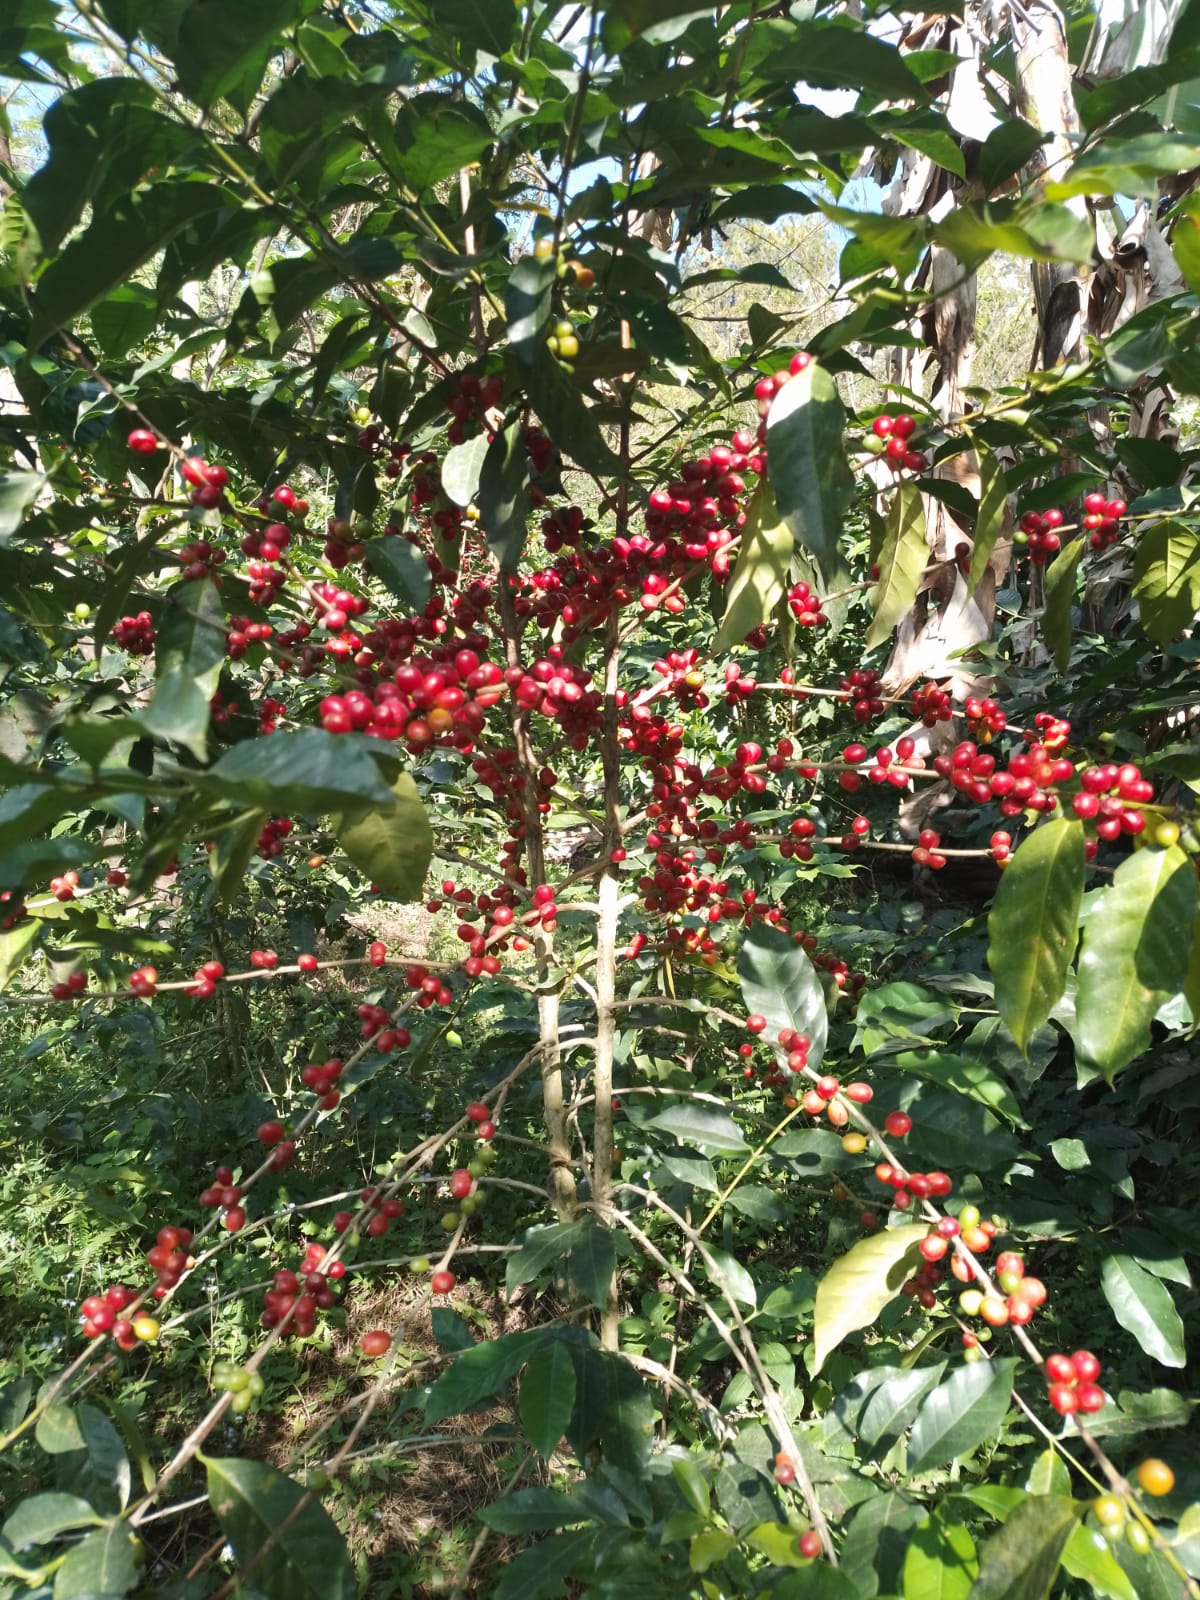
[(376, 1343)]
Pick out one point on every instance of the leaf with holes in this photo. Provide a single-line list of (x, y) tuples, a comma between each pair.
[(855, 1289), (1034, 924)]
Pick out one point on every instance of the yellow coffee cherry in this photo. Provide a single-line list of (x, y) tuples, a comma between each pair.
[(854, 1143), (1155, 1476), (146, 1328)]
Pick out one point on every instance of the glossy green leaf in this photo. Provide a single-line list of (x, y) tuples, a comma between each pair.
[(1166, 578), (961, 1413), (940, 1563), (503, 496), (18, 491), (58, 1431), (534, 1510), (591, 1263), (119, 242), (807, 462), (760, 574), (708, 1548), (42, 1517), (1050, 1474), (1034, 924), (1060, 592), (220, 40), (892, 1403), (1130, 166), (728, 1274), (1087, 1555), (1021, 1561), (692, 1484), (546, 1400), (1009, 146), (858, 1286), (877, 1541), (309, 770), (819, 1582), (15, 1398), (901, 562), (699, 1124), (1134, 956), (541, 1248), (402, 570), (461, 469), (189, 655), (104, 1564), (964, 1076), (777, 1543), (234, 846), (293, 1556), (477, 1374), (780, 983), (1142, 1304), (392, 844), (477, 24), (540, 1572)]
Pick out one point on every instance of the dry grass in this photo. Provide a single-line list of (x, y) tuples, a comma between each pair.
[(408, 1497)]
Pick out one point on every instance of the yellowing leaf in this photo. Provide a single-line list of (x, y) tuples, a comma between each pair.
[(855, 1289)]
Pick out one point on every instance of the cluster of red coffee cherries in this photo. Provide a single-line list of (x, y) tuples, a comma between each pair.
[(64, 887), (198, 560), (805, 606), (474, 399), (1102, 517), (1110, 795), (424, 702), (170, 1256), (383, 1211), (208, 482), (295, 1299), (862, 688), (71, 986), (275, 832), (1038, 532), (931, 704), (898, 450), (1071, 1383), (223, 1195), (135, 635)]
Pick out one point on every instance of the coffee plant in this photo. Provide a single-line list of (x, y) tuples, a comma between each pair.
[(598, 833)]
